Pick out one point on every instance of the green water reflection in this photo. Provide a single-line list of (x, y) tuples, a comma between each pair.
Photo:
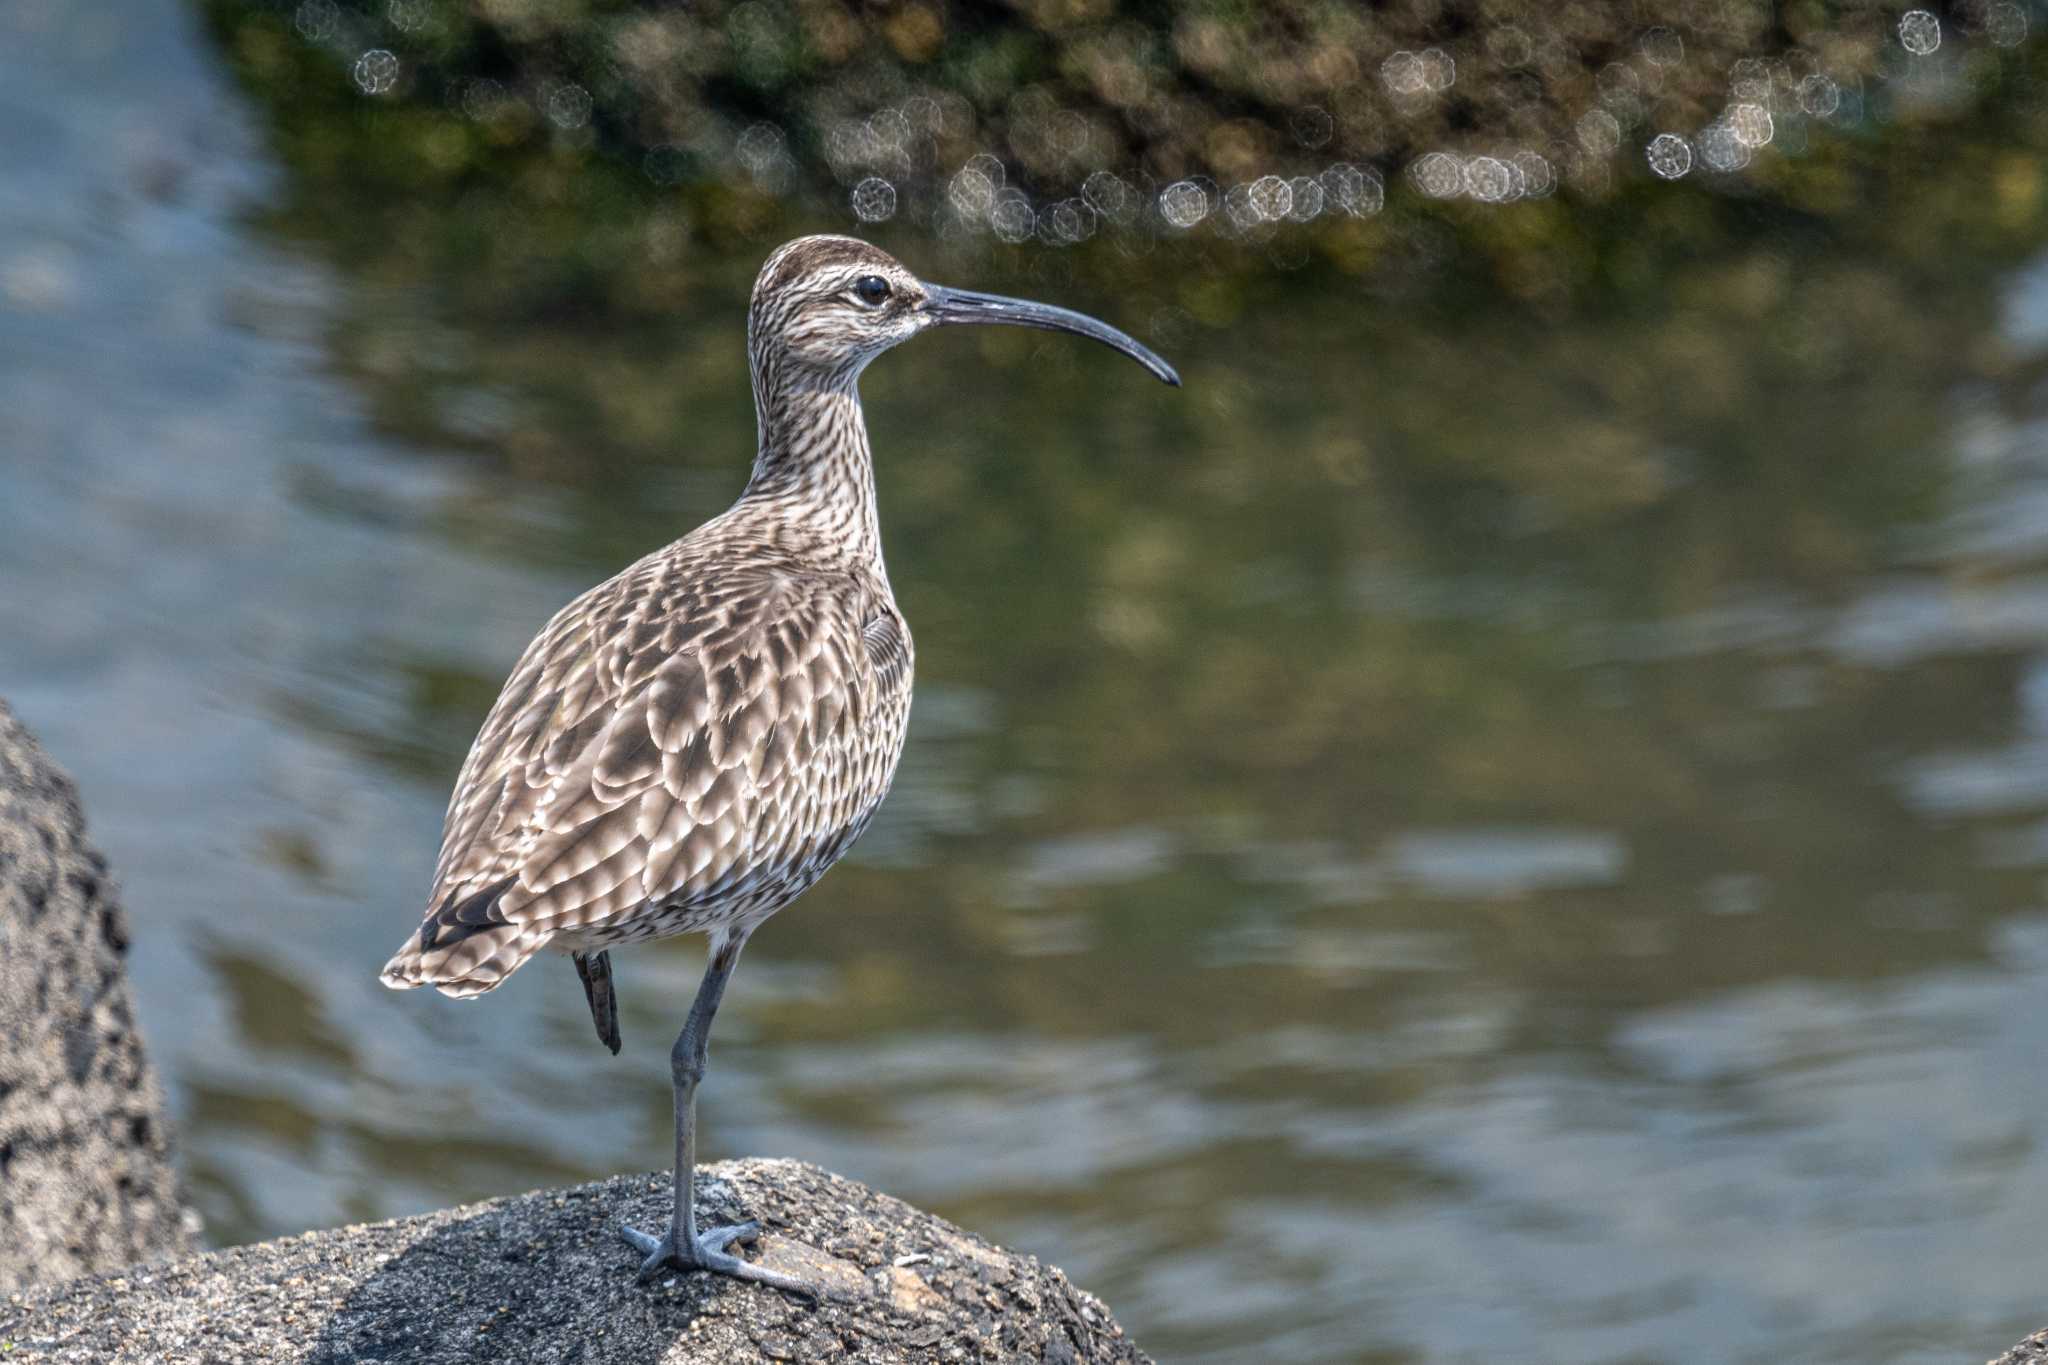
[(1429, 696), (1433, 691), (1508, 810)]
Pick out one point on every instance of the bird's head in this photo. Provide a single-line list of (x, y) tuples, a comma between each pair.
[(826, 306)]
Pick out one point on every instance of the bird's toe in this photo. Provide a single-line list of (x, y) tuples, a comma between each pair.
[(666, 1254), (718, 1239)]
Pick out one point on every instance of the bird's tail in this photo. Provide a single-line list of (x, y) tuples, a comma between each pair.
[(465, 947)]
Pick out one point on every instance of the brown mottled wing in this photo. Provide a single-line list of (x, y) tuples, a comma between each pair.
[(675, 735)]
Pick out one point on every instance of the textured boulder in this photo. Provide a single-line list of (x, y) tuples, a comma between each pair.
[(86, 1182), (2032, 1351), (543, 1278)]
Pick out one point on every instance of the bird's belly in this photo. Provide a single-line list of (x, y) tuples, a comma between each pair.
[(759, 883), (744, 902)]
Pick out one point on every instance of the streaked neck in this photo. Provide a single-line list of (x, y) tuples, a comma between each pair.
[(813, 465)]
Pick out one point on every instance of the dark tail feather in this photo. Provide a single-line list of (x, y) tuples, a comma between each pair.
[(457, 920), (465, 947), (596, 971)]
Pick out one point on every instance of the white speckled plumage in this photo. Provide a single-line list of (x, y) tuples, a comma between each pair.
[(692, 743)]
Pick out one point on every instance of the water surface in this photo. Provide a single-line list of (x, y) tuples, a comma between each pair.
[(1465, 833)]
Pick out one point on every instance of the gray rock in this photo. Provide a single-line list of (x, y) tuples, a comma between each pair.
[(543, 1278), (86, 1182), (2032, 1351)]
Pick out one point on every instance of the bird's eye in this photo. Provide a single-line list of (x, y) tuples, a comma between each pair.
[(871, 290)]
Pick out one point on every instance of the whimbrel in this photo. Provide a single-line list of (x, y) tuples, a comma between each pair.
[(691, 744)]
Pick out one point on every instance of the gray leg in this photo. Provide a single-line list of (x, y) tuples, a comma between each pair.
[(683, 1247)]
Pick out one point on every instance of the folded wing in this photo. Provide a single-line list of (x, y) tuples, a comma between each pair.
[(677, 742)]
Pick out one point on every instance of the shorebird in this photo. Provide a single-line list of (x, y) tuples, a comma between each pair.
[(688, 746)]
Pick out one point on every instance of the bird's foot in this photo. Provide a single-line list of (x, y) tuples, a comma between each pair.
[(708, 1252)]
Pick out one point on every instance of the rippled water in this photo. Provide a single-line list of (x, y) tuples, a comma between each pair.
[(1448, 838)]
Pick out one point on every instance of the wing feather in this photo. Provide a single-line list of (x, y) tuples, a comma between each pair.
[(665, 736)]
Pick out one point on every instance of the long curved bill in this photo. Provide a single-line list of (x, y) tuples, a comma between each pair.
[(965, 306)]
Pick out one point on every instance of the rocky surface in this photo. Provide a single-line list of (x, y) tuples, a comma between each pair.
[(2032, 1351), (544, 1278), (86, 1182)]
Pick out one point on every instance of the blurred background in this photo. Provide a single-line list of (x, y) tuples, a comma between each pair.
[(1505, 820)]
